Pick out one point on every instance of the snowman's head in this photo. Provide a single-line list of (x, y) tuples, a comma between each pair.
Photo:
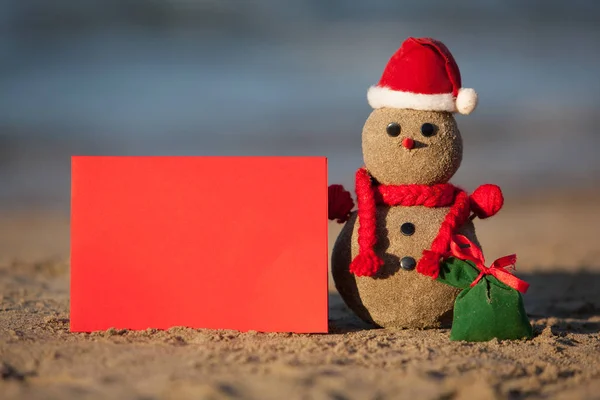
[(404, 146)]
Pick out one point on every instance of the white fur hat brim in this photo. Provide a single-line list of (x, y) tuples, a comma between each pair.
[(464, 103)]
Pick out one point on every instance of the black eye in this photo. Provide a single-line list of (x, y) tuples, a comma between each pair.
[(393, 129), (428, 129)]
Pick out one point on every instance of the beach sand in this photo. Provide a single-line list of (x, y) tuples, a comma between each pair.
[(557, 240)]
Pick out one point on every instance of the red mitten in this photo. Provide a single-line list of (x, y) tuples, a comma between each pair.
[(340, 203), (486, 200)]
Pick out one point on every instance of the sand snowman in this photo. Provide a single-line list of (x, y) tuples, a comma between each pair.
[(387, 256)]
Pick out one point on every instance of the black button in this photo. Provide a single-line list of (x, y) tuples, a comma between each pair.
[(408, 263), (427, 129), (393, 129), (407, 229)]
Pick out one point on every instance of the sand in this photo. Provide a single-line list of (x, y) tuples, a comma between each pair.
[(556, 238)]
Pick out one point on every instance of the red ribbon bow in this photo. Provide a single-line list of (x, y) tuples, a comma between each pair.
[(464, 249)]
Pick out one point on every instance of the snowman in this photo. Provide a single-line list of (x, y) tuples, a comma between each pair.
[(387, 256)]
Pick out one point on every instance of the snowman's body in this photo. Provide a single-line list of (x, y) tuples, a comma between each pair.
[(396, 297)]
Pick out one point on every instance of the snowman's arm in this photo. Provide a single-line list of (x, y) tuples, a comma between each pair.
[(486, 201), (340, 203)]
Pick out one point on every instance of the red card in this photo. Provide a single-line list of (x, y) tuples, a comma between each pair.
[(203, 242)]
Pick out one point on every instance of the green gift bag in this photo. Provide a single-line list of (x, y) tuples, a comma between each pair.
[(489, 309)]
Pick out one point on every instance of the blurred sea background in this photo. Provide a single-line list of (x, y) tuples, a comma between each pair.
[(276, 77)]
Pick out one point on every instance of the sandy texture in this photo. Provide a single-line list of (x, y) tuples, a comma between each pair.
[(559, 256), (394, 297), (433, 159)]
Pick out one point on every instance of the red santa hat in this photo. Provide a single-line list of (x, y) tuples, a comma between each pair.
[(422, 75)]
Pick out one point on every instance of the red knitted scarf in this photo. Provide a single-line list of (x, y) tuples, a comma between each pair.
[(367, 263)]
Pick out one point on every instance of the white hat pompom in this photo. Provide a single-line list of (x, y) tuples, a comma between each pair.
[(466, 101)]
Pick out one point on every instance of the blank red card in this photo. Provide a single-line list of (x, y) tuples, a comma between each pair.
[(203, 242)]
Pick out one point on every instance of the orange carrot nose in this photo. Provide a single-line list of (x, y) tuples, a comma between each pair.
[(408, 143)]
